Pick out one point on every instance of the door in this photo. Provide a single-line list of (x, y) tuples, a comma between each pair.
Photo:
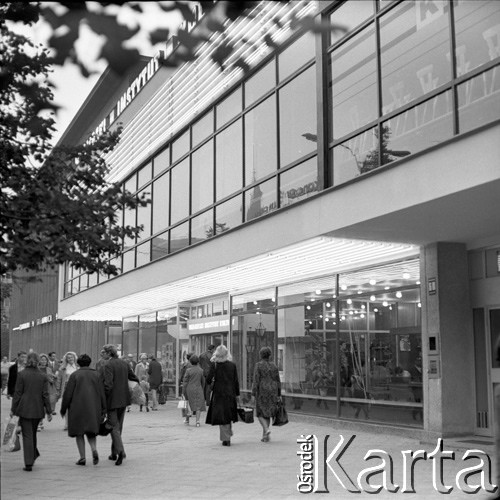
[(494, 334)]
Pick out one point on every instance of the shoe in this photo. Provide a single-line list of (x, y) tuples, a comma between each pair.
[(112, 457), (140, 408), (226, 443), (120, 458), (28, 468), (82, 461), (147, 409), (197, 424), (54, 413), (95, 457)]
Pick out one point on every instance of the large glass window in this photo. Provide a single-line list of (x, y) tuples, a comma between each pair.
[(414, 45), (144, 216), (229, 108), (179, 237), (161, 197), (229, 160), (145, 174), (130, 342), (298, 117), (202, 227), (354, 84), (299, 183), (260, 141), (129, 220), (161, 161), (147, 334), (228, 214), (180, 191), (159, 246), (263, 81), (203, 128), (180, 146), (261, 199), (349, 15), (477, 30), (128, 260), (202, 177), (295, 56)]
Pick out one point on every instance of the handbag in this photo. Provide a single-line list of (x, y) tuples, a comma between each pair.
[(281, 416), (105, 427), (137, 396), (182, 404), (10, 437), (245, 414)]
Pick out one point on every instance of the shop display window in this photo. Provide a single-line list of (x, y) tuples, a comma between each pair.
[(298, 117), (353, 84), (147, 334), (202, 177)]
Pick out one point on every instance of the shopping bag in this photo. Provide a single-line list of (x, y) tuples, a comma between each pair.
[(281, 416), (10, 437), (137, 396), (182, 404), (144, 386), (105, 427), (245, 414)]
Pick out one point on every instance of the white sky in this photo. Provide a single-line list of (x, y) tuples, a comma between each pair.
[(71, 87)]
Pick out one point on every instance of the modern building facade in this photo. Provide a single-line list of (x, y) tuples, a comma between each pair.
[(339, 202)]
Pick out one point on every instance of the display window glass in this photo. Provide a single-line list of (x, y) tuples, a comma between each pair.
[(261, 156), (261, 83), (299, 183), (260, 200), (202, 227), (130, 342), (353, 84), (228, 214), (159, 246), (229, 108), (147, 334), (161, 199), (296, 55), (202, 128), (179, 237), (298, 117), (202, 177), (415, 42), (229, 160), (180, 191)]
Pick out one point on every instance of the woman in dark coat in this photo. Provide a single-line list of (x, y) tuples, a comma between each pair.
[(31, 398), (193, 386), (266, 390), (85, 402), (226, 389)]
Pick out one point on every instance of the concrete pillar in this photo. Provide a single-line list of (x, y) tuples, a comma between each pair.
[(449, 407)]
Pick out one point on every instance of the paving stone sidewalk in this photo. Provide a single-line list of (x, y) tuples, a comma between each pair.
[(168, 460)]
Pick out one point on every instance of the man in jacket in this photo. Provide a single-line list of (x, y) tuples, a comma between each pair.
[(117, 373), (31, 398), (14, 370), (155, 379)]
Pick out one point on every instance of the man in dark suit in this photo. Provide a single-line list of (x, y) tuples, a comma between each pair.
[(14, 370), (53, 363), (31, 398), (117, 373)]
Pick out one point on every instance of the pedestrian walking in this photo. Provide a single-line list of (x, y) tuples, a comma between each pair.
[(185, 411), (16, 368), (5, 372), (266, 390), (155, 379), (225, 394), (193, 387), (205, 365), (53, 362), (117, 373), (85, 403), (141, 371), (30, 402), (44, 367), (67, 367)]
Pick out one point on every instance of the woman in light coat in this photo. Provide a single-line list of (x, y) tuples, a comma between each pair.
[(193, 386), (141, 371), (68, 366)]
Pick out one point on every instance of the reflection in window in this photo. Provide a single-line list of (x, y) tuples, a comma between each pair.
[(180, 191), (477, 30), (354, 84), (143, 253), (479, 100), (202, 227), (179, 237), (161, 161), (229, 108), (261, 199), (180, 146), (295, 56), (350, 15), (355, 156), (416, 129), (144, 175), (161, 198), (202, 128), (298, 135), (202, 177), (299, 182), (260, 141), (228, 214), (229, 160), (414, 45), (128, 260), (144, 216), (263, 81), (129, 220), (131, 184), (160, 246)]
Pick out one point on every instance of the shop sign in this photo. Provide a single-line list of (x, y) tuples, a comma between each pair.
[(209, 324)]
